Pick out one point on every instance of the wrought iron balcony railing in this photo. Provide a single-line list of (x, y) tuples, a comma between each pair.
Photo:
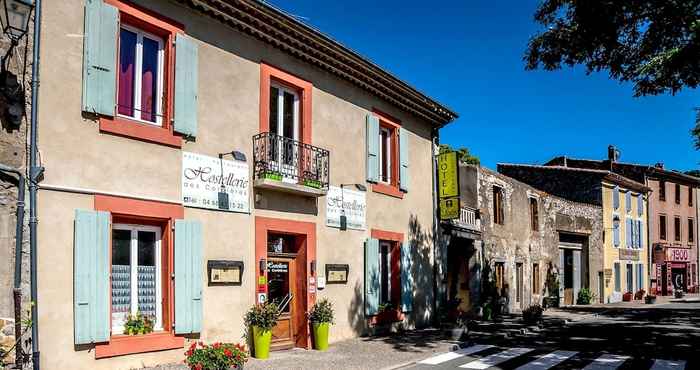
[(288, 161)]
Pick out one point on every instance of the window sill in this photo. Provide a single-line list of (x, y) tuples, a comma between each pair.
[(386, 189), (140, 131), (120, 345)]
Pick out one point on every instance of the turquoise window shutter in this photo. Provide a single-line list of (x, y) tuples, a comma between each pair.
[(371, 277), (185, 85), (100, 58), (188, 277), (91, 301), (628, 230), (372, 148), (640, 205), (406, 278), (404, 178), (616, 235), (616, 198)]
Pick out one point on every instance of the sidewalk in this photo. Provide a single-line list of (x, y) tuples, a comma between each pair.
[(389, 352)]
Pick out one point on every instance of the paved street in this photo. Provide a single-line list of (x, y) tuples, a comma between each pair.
[(666, 336)]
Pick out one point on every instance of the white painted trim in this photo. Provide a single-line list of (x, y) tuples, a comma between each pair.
[(88, 191)]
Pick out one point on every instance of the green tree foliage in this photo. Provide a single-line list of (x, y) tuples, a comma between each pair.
[(654, 44), (463, 154), (695, 173)]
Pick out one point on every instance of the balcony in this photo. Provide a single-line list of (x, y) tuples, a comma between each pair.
[(469, 219), (290, 166)]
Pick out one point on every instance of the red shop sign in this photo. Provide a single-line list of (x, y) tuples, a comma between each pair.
[(677, 254)]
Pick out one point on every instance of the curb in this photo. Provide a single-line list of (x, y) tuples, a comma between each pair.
[(400, 366)]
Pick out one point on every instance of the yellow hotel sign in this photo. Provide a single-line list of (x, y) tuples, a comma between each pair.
[(448, 184), (449, 208)]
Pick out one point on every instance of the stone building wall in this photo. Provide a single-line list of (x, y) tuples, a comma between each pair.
[(13, 153)]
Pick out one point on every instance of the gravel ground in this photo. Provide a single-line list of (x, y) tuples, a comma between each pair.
[(388, 352)]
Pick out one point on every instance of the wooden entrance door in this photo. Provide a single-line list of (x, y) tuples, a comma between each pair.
[(281, 283)]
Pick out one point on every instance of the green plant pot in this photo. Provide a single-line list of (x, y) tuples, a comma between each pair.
[(261, 342), (273, 176), (321, 335), (312, 184)]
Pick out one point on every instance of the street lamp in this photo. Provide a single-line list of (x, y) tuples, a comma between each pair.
[(14, 17)]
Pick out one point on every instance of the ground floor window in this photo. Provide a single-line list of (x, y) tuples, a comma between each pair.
[(618, 283), (136, 275), (388, 273), (500, 277), (535, 278), (630, 278)]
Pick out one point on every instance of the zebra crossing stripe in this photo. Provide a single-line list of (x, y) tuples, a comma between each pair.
[(607, 362), (548, 361), (668, 365), (496, 359), (449, 356)]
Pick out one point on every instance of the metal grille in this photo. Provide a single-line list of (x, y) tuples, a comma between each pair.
[(280, 158)]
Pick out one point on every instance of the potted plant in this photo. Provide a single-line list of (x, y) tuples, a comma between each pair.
[(454, 321), (312, 183), (218, 356), (533, 314), (678, 294), (585, 296), (650, 299), (627, 297), (138, 324), (639, 295), (273, 175), (321, 317), (487, 312), (261, 318)]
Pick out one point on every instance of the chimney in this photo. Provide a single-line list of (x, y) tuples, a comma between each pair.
[(613, 153), (659, 165)]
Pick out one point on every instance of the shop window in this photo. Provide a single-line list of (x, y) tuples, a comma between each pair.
[(691, 230), (535, 278), (662, 227), (677, 229), (662, 191), (678, 194), (498, 213), (136, 275), (534, 215)]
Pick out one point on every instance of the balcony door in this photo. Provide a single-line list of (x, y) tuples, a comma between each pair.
[(284, 122)]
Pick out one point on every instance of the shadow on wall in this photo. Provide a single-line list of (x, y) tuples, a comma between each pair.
[(423, 273), (356, 311)]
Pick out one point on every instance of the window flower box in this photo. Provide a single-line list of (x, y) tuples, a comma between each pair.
[(312, 183), (273, 176)]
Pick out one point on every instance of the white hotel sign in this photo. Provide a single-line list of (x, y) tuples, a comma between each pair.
[(202, 182), (352, 202)]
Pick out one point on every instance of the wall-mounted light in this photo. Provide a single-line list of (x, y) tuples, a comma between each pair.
[(14, 17), (261, 266)]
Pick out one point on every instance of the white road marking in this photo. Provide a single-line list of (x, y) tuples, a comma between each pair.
[(668, 365), (607, 362), (496, 359), (548, 361), (449, 356)]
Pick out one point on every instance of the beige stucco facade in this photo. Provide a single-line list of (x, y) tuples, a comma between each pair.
[(81, 161)]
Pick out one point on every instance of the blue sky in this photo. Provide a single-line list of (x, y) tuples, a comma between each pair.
[(467, 54)]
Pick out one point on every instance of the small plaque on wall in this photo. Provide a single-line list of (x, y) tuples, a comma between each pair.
[(224, 272), (337, 274)]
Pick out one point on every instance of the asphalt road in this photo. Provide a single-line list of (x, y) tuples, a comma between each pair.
[(663, 337)]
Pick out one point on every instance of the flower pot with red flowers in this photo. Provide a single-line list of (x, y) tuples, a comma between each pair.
[(217, 356), (639, 295), (627, 297)]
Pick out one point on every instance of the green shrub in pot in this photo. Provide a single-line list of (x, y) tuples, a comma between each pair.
[(262, 318), (321, 318)]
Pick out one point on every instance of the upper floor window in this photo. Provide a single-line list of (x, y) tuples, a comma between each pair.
[(662, 191), (534, 214), (677, 229), (691, 230), (678, 193), (662, 227), (690, 196), (628, 201), (140, 76), (387, 158), (498, 213), (284, 122)]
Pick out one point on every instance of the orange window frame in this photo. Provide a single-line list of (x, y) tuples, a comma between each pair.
[(393, 125), (270, 74), (126, 210), (166, 28)]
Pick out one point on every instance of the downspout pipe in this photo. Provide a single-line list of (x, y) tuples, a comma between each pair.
[(435, 141), (35, 173), (19, 237)]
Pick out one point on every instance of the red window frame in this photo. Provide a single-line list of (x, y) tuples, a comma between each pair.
[(163, 215), (395, 239), (393, 125), (166, 28), (304, 88)]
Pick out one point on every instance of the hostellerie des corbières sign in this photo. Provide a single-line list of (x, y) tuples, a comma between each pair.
[(205, 186)]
